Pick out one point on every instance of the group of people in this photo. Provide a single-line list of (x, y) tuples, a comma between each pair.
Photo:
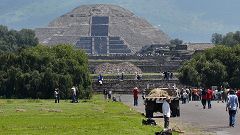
[(73, 93), (229, 96), (207, 97), (196, 94), (107, 94)]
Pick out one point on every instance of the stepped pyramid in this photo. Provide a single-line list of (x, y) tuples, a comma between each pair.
[(101, 30)]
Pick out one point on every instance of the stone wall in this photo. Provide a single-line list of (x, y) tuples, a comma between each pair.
[(126, 86)]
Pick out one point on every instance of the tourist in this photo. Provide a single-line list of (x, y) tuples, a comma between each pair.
[(189, 94), (122, 77), (204, 97), (219, 95), (231, 107), (144, 94), (105, 93), (100, 79), (171, 75), (56, 95), (109, 94), (224, 95), (139, 77), (209, 98), (195, 94), (136, 76), (135, 92), (184, 97), (74, 94), (165, 76), (166, 112), (238, 95), (215, 94)]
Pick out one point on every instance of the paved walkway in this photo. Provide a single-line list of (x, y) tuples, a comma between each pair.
[(195, 119)]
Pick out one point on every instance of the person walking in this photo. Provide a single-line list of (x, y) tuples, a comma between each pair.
[(122, 77), (74, 94), (204, 98), (184, 97), (105, 93), (166, 112), (224, 95), (109, 94), (56, 95), (231, 107), (238, 95), (209, 98), (135, 96), (100, 79)]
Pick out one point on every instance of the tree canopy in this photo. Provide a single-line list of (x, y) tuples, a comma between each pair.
[(11, 40), (176, 41), (213, 67), (35, 72), (230, 39)]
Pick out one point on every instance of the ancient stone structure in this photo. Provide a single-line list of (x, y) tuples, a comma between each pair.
[(102, 30), (126, 86)]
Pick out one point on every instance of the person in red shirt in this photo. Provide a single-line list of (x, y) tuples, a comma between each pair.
[(238, 95), (209, 98), (135, 96)]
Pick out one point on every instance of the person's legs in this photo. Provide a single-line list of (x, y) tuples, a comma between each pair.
[(239, 101), (209, 103), (230, 117), (233, 117), (204, 103), (166, 122), (137, 102)]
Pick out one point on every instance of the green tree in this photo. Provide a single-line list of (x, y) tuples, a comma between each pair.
[(176, 41), (12, 40), (217, 38), (35, 72), (213, 67), (230, 39)]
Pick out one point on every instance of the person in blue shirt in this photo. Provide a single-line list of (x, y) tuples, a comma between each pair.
[(100, 79), (231, 107)]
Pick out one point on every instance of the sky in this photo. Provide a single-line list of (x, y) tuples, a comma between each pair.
[(188, 20)]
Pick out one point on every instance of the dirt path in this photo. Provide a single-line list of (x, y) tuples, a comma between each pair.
[(194, 120)]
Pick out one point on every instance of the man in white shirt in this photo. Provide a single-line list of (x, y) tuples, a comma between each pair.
[(166, 112), (74, 94), (232, 106)]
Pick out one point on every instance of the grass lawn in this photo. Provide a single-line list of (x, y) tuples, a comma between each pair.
[(94, 117)]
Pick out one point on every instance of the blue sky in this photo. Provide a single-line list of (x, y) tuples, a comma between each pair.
[(189, 20)]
